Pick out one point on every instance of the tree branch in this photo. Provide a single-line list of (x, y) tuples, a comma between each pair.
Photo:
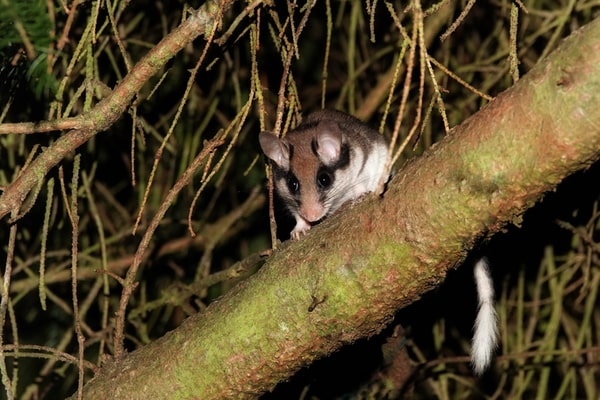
[(105, 113), (479, 178)]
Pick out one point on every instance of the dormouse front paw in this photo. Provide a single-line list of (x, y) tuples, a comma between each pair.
[(300, 229)]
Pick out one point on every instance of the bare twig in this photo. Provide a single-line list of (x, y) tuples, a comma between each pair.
[(105, 113)]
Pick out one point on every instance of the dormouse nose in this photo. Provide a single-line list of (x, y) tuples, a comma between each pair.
[(312, 211)]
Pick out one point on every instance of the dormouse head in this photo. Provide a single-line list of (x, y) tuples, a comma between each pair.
[(304, 165)]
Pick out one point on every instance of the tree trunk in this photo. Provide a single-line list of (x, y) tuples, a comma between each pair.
[(349, 275)]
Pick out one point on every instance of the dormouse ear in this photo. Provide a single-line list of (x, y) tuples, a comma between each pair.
[(275, 149), (329, 142)]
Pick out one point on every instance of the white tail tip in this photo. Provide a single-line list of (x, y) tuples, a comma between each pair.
[(485, 336)]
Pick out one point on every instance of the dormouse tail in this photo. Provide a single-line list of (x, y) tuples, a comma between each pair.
[(485, 336)]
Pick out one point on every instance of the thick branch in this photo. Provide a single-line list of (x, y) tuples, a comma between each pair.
[(328, 289)]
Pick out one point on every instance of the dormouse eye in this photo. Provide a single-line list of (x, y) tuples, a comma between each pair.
[(324, 179), (293, 184)]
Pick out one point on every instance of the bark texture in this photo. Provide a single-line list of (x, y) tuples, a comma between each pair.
[(348, 276)]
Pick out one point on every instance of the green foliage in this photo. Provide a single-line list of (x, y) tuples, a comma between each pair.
[(25, 40), (32, 16)]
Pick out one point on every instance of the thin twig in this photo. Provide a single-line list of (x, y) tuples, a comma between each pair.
[(105, 113), (129, 283)]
